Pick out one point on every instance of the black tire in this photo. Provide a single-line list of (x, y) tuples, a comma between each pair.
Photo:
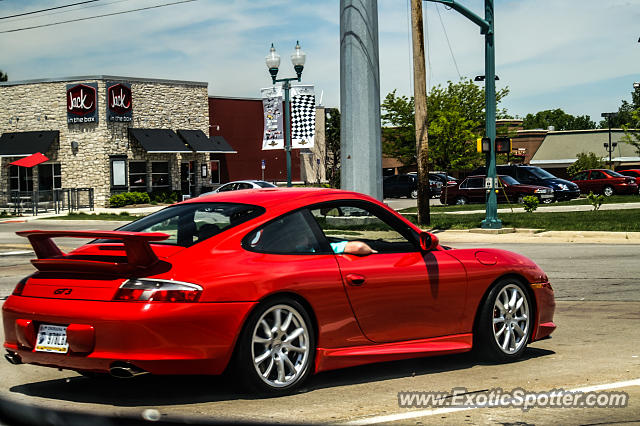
[(246, 366), (608, 191), (413, 194), (461, 200), (489, 341)]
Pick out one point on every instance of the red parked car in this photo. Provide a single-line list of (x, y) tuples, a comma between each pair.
[(634, 173), (604, 181), (256, 282), (472, 190)]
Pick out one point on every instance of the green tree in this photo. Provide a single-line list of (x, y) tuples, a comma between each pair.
[(632, 131), (624, 117), (585, 161), (455, 115), (332, 139), (558, 119), (3, 76)]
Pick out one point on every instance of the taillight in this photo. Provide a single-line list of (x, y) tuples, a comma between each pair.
[(143, 290), (20, 287)]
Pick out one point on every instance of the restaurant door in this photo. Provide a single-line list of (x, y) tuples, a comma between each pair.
[(188, 178)]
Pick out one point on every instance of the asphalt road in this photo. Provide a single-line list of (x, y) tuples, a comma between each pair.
[(597, 343)]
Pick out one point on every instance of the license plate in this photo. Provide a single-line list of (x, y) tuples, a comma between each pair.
[(52, 338)]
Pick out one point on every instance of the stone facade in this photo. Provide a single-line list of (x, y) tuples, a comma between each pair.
[(157, 104)]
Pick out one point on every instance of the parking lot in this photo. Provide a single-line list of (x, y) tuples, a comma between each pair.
[(596, 344)]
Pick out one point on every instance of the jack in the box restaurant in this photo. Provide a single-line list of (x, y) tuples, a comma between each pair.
[(104, 135)]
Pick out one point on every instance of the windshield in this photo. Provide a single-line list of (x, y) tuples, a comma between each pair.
[(614, 174), (509, 180), (191, 223), (541, 173)]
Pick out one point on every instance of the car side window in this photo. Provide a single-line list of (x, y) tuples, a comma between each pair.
[(244, 185), (351, 221), (474, 183), (227, 187), (580, 176), (596, 174), (288, 234)]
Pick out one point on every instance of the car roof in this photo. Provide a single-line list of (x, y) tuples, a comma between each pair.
[(268, 197)]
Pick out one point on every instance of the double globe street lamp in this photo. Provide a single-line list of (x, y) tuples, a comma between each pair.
[(273, 64)]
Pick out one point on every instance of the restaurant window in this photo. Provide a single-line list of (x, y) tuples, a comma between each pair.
[(119, 172), (160, 179), (20, 178), (215, 171), (137, 176), (49, 177)]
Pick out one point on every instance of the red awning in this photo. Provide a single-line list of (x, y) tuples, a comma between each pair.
[(30, 161)]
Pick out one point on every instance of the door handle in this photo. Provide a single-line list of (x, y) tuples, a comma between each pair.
[(355, 279)]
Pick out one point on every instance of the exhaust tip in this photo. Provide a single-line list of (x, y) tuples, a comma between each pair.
[(125, 370), (13, 358)]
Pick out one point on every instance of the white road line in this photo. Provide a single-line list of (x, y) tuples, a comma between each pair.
[(13, 253), (432, 412)]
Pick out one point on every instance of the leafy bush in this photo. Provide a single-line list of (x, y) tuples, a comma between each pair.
[(530, 203), (128, 198), (595, 200), (585, 161), (165, 197)]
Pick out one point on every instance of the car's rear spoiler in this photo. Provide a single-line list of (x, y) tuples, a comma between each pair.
[(140, 256)]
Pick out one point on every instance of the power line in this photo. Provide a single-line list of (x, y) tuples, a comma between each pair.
[(46, 10), (67, 11), (448, 44), (95, 17)]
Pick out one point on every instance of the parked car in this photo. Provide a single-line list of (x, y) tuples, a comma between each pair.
[(604, 181), (241, 184), (532, 175), (634, 173), (444, 178), (472, 190), (248, 282), (407, 186)]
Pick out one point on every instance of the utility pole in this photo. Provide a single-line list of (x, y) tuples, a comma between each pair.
[(420, 101)]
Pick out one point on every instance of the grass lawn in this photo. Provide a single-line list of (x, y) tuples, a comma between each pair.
[(614, 199), (601, 220), (124, 216)]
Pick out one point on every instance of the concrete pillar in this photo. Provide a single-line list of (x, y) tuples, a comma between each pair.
[(361, 149)]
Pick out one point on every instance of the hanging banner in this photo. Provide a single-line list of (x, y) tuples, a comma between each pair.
[(303, 116), (273, 135)]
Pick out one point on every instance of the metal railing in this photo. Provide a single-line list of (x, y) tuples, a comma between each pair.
[(57, 200)]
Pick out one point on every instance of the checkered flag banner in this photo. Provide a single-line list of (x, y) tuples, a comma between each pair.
[(303, 116), (273, 135)]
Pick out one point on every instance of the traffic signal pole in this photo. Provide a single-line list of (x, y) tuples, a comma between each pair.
[(491, 220)]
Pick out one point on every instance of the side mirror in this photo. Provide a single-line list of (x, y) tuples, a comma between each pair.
[(428, 241)]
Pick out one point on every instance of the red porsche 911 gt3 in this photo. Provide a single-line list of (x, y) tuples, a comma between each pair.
[(261, 283)]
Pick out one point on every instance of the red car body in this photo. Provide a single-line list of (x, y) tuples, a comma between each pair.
[(604, 181), (472, 190), (415, 301)]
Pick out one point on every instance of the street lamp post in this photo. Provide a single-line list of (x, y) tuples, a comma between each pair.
[(609, 146), (273, 63)]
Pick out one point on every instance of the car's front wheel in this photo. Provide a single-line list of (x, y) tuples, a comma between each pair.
[(277, 347), (462, 200), (504, 324), (608, 191), (414, 194)]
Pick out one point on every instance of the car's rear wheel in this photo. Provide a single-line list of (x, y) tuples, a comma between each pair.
[(521, 199), (608, 191), (414, 194), (462, 200), (277, 347), (504, 324)]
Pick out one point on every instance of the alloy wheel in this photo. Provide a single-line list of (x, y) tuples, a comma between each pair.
[(280, 346), (511, 319)]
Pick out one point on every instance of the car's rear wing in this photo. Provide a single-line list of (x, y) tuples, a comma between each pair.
[(140, 256)]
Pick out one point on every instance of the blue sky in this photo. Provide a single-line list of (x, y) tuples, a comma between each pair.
[(579, 55)]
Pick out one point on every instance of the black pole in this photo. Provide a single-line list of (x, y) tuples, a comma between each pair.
[(610, 147)]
